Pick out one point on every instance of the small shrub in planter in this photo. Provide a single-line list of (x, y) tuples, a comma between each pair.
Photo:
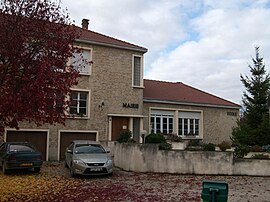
[(260, 156), (195, 142), (240, 151), (124, 137), (165, 146), (266, 148), (155, 138), (209, 147), (174, 138), (224, 145), (256, 148), (131, 140)]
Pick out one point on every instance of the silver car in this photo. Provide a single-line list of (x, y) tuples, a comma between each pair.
[(85, 157)]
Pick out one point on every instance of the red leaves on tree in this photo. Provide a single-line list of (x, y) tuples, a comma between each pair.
[(35, 45)]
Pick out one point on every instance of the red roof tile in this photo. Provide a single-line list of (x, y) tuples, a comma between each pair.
[(94, 37), (179, 92)]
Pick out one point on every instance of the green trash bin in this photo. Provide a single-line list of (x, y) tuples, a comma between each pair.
[(215, 191)]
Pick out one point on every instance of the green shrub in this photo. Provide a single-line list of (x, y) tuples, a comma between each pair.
[(224, 145), (260, 156), (131, 140), (124, 136), (266, 148), (209, 147), (174, 138), (240, 151), (195, 142), (256, 148), (155, 138), (165, 146)]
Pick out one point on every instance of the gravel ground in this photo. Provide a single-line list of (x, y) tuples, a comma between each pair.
[(54, 184)]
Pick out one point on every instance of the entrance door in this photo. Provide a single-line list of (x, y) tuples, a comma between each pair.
[(119, 125)]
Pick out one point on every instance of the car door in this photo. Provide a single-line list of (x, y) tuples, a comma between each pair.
[(69, 153)]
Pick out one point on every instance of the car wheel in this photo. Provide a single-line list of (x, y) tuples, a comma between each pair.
[(71, 172), (4, 170), (110, 174), (37, 170)]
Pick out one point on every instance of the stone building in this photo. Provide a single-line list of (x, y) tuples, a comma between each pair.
[(112, 97), (188, 112), (108, 97)]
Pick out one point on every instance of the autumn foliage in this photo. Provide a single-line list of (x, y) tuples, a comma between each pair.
[(35, 44)]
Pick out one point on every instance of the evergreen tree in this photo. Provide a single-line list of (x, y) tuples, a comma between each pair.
[(253, 128)]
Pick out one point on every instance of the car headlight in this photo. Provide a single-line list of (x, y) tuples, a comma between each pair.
[(79, 162), (109, 162)]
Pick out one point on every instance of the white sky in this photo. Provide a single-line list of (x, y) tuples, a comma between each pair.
[(206, 44)]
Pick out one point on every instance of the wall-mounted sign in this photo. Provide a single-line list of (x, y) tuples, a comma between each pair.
[(130, 105), (231, 113)]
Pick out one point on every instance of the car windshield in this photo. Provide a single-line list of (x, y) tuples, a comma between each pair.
[(88, 149), (21, 148)]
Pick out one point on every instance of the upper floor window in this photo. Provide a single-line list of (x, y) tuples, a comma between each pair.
[(137, 71), (82, 61), (79, 103)]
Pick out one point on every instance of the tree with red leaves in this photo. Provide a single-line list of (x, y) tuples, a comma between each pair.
[(35, 44)]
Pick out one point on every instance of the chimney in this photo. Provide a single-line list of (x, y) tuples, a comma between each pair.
[(85, 23)]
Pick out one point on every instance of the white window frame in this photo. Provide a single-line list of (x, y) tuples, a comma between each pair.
[(89, 59), (87, 104), (188, 116), (141, 71), (162, 114)]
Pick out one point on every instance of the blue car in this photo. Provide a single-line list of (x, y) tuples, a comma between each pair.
[(19, 155)]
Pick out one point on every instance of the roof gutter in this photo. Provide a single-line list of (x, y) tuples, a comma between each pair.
[(190, 103), (87, 41)]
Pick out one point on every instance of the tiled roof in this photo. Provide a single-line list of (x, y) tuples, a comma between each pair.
[(162, 91), (97, 38)]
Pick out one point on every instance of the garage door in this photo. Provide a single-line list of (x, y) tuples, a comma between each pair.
[(67, 137), (37, 138)]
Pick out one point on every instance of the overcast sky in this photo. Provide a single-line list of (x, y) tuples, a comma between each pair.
[(206, 44)]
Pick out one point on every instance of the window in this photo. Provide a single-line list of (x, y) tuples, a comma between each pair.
[(81, 61), (79, 103), (137, 72), (189, 123), (161, 123)]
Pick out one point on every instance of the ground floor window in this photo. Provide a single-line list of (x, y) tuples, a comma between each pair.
[(189, 123), (161, 123), (187, 126)]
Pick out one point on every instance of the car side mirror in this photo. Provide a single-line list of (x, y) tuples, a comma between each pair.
[(108, 151), (69, 151)]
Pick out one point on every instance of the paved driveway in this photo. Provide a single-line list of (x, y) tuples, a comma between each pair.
[(54, 184)]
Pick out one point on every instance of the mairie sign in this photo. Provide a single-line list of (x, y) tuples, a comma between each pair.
[(130, 105)]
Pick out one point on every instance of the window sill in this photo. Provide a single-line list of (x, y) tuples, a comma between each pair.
[(191, 137), (140, 87), (77, 117), (84, 74)]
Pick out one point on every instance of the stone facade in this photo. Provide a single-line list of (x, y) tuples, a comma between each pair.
[(216, 122), (109, 85)]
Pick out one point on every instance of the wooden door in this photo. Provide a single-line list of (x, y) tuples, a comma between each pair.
[(119, 125)]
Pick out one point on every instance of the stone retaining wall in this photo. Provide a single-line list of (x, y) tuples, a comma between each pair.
[(148, 158)]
